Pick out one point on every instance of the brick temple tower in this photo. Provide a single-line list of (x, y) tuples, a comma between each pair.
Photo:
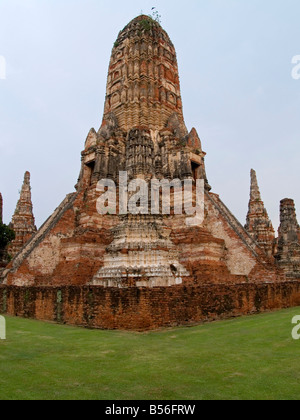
[(23, 223), (146, 269), (288, 242), (258, 223), (142, 133)]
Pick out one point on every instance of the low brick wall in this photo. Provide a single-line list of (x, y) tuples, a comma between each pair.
[(142, 308)]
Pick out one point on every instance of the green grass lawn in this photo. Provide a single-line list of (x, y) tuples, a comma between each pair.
[(245, 358)]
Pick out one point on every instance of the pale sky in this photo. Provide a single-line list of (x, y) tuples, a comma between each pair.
[(235, 66)]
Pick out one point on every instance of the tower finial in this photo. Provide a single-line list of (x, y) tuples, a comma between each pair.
[(254, 190)]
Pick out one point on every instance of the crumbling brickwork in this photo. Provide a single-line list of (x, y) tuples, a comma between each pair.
[(23, 223), (258, 223), (288, 242), (145, 308), (145, 270)]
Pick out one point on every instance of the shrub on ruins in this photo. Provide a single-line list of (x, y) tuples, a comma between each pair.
[(6, 235)]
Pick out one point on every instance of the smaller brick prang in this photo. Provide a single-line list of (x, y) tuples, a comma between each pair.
[(258, 224), (23, 222), (288, 244)]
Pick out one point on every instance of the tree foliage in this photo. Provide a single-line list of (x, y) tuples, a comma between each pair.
[(6, 235)]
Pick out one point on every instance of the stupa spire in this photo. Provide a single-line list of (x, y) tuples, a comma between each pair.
[(258, 224), (23, 222), (254, 189), (288, 250)]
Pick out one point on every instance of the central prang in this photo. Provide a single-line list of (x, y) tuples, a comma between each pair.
[(143, 83)]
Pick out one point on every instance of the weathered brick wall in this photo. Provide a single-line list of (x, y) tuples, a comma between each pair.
[(142, 308)]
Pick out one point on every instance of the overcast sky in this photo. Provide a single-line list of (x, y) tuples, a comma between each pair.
[(235, 65)]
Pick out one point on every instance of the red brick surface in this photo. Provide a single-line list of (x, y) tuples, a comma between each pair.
[(143, 308)]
